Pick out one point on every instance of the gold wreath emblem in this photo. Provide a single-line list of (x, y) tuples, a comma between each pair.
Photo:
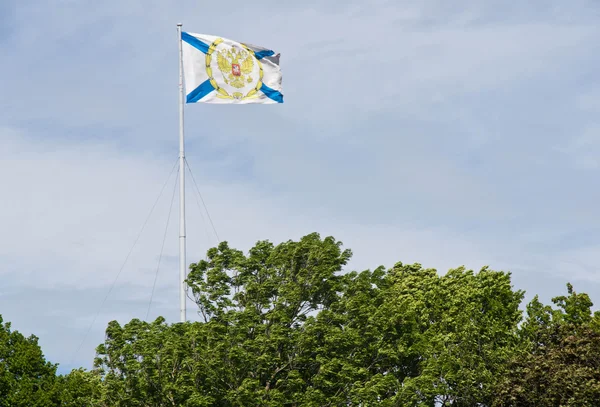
[(236, 67)]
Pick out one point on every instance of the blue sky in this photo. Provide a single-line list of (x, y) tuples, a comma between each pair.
[(412, 131)]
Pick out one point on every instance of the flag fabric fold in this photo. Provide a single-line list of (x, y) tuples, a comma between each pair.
[(220, 70)]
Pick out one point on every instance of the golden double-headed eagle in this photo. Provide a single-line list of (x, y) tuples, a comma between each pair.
[(236, 66)]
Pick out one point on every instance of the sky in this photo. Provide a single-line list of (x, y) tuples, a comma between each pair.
[(448, 135)]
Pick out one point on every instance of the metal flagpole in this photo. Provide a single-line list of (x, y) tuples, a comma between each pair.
[(182, 260)]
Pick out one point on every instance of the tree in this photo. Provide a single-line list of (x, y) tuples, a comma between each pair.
[(249, 349), (559, 359), (464, 327), (79, 388), (282, 325), (260, 303), (26, 378)]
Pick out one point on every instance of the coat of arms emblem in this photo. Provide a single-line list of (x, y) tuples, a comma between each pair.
[(236, 65)]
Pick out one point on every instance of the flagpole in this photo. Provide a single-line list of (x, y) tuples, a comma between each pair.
[(182, 248)]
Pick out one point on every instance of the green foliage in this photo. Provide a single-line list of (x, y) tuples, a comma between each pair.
[(467, 327), (251, 348), (284, 325), (153, 364), (558, 363), (77, 389), (26, 378)]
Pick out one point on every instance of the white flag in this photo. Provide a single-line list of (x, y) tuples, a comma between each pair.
[(219, 70)]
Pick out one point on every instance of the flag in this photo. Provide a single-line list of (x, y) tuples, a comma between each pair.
[(219, 70)]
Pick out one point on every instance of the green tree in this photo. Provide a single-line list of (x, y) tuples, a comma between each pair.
[(260, 303), (409, 336), (248, 350), (26, 378), (559, 359), (79, 388), (451, 334), (155, 364), (282, 325), (354, 345)]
